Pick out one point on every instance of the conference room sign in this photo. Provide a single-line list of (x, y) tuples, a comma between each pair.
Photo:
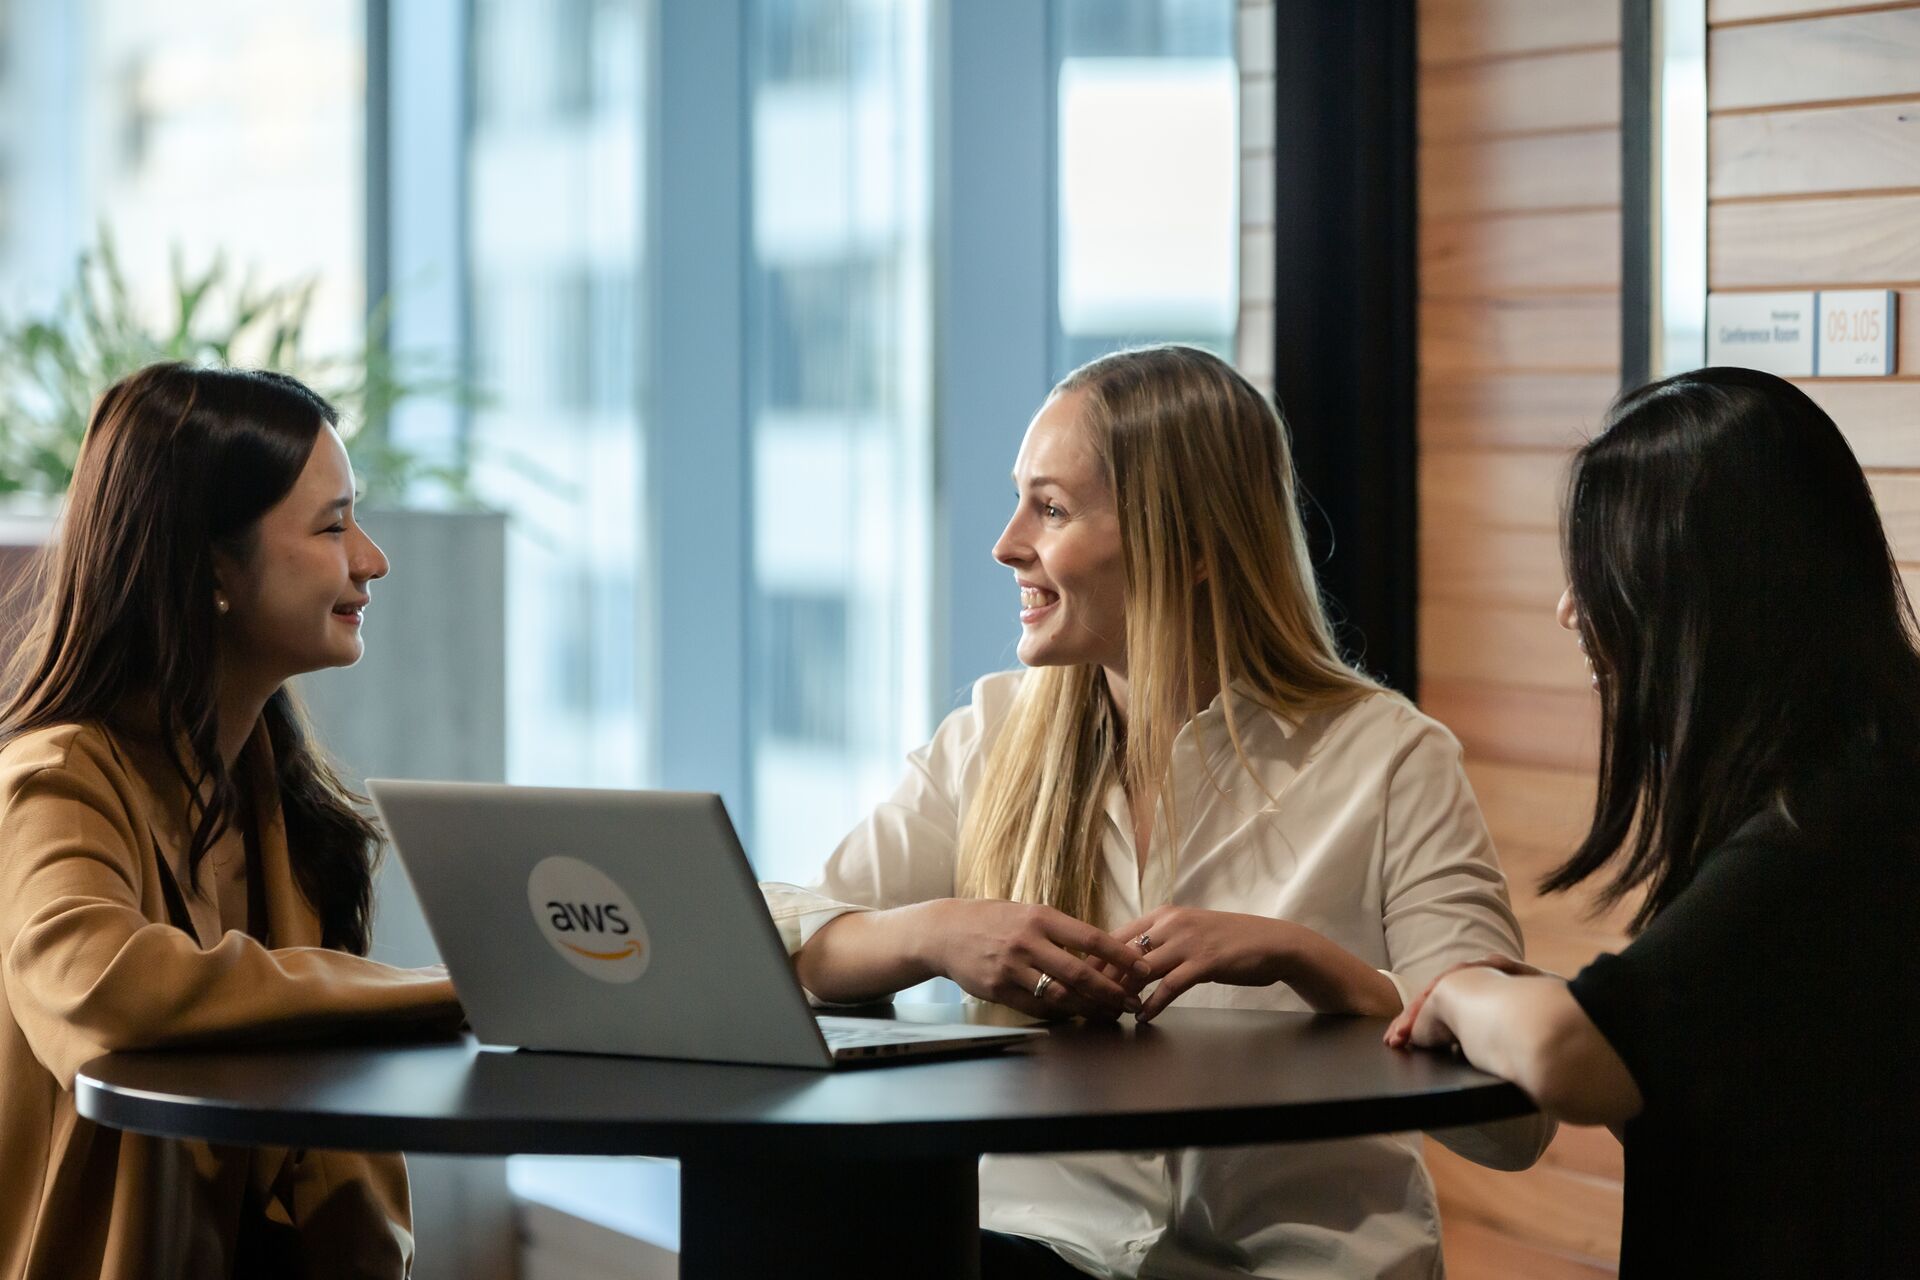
[(1825, 333)]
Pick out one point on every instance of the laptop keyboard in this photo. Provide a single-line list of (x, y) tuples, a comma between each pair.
[(876, 1038), (840, 1035)]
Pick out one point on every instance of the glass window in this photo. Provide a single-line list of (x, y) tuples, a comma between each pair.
[(554, 266), (203, 129), (839, 393), (806, 674), (1147, 175), (821, 322)]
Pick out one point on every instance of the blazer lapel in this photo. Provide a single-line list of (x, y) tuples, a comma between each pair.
[(163, 804)]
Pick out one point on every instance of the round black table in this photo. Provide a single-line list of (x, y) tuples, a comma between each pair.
[(855, 1172)]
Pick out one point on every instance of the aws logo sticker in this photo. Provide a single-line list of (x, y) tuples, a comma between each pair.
[(589, 919)]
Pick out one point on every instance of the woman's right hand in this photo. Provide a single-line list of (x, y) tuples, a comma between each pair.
[(1400, 1031), (998, 951)]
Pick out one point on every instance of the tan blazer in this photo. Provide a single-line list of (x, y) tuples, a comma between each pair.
[(90, 962)]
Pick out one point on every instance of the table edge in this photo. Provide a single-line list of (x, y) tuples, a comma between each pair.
[(146, 1112)]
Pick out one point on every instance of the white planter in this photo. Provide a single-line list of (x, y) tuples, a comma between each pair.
[(429, 698)]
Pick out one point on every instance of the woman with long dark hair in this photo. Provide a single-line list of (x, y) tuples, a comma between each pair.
[(178, 862), (1754, 651)]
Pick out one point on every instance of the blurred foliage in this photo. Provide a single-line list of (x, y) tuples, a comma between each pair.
[(54, 367)]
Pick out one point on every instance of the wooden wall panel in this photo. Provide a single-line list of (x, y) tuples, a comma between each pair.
[(1813, 152), (1487, 644), (1898, 496), (1840, 58), (1462, 30), (1524, 174), (1563, 935), (1537, 810), (1474, 563), (1578, 90), (1557, 411), (1507, 723), (1527, 253), (1565, 916), (1492, 488), (1565, 333), (1880, 419), (1519, 357), (1721, 12), (1863, 240)]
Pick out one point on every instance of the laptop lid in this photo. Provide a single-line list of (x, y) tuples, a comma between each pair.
[(601, 921)]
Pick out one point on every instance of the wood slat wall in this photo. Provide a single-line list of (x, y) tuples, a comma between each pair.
[(1808, 58), (1814, 181), (1519, 355)]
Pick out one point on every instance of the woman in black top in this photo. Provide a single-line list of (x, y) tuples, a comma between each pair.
[(1755, 656)]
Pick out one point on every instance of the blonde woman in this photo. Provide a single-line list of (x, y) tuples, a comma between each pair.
[(1187, 788)]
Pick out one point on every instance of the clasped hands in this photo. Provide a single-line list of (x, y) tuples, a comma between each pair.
[(1047, 964)]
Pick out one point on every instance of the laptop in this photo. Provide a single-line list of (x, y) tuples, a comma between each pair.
[(622, 922)]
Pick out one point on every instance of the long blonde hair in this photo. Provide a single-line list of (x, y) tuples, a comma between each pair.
[(1218, 584)]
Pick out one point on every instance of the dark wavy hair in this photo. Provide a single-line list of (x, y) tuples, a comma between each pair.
[(177, 463), (1753, 643)]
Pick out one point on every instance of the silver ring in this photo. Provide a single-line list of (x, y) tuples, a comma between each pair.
[(1144, 942), (1040, 987)]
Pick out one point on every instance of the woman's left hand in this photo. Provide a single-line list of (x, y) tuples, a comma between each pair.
[(1419, 1025), (1185, 946)]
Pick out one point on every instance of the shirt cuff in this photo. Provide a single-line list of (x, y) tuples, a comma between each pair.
[(800, 913), (1407, 993)]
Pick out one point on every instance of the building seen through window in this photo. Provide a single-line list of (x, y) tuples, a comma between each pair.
[(555, 275), (197, 131), (840, 385), (1147, 150)]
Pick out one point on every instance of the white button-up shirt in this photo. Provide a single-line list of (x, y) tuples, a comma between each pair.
[(1371, 838)]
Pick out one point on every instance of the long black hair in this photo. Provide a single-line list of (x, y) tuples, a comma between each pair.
[(1752, 639), (177, 463)]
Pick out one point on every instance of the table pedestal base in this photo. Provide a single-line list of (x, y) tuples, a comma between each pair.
[(741, 1219)]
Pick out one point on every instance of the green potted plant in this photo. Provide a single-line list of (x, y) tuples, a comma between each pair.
[(429, 698), (53, 366)]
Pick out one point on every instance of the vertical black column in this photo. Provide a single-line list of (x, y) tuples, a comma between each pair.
[(1637, 159), (1345, 304)]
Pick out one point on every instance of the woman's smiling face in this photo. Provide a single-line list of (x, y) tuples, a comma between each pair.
[(1063, 545), (296, 600)]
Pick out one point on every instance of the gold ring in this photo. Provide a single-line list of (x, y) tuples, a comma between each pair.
[(1040, 987), (1144, 942)]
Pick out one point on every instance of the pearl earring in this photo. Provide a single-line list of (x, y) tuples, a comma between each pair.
[(220, 602)]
